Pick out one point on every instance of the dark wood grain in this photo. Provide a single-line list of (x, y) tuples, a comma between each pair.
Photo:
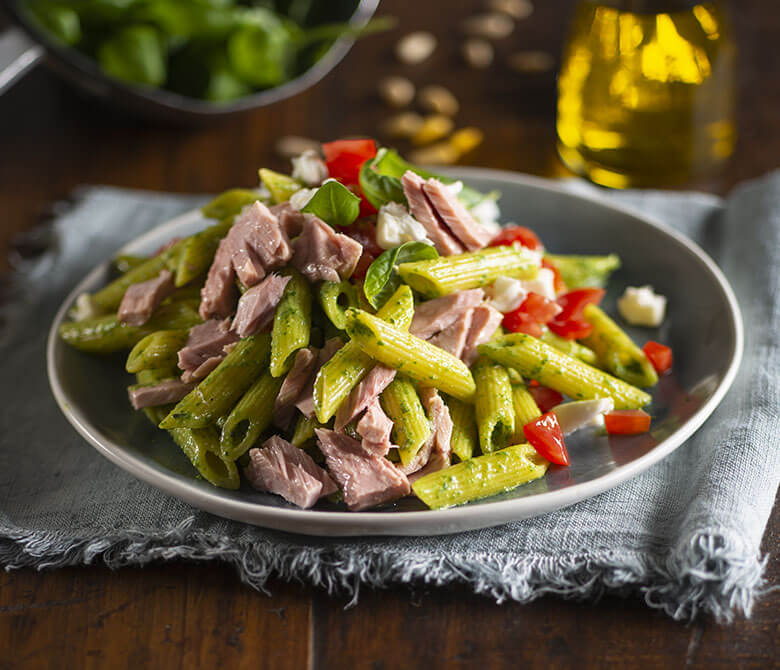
[(200, 616)]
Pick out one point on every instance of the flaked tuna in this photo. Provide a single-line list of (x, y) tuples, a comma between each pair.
[(368, 390), (141, 299), (436, 453), (470, 233), (256, 307), (322, 254), (485, 319), (374, 429), (421, 209), (258, 244), (281, 468), (205, 348), (365, 479), (163, 393), (294, 382), (290, 219), (453, 338), (218, 295), (434, 315)]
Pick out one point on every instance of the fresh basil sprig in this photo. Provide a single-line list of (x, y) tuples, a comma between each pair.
[(334, 203), (382, 277)]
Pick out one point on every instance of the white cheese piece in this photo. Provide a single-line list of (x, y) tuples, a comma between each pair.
[(487, 213), (84, 308), (575, 415), (455, 187), (641, 306), (543, 283), (395, 225), (506, 294), (309, 168), (300, 199)]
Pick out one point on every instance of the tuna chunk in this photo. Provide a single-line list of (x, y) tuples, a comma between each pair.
[(484, 322), (205, 348), (293, 385), (290, 219), (320, 253), (434, 315), (305, 402), (218, 295), (455, 216), (368, 390), (258, 243), (365, 479), (256, 307), (375, 428), (435, 454), (141, 299), (421, 209), (281, 468), (168, 391), (453, 338)]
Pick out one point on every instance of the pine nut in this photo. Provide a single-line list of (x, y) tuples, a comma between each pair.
[(531, 61), (492, 26), (439, 100), (403, 125), (396, 91), (415, 47), (517, 9), (477, 53), (433, 128)]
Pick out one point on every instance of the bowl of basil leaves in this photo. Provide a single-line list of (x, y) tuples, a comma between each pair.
[(185, 60)]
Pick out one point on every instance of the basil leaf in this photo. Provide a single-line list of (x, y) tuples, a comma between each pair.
[(382, 277), (135, 54), (334, 203)]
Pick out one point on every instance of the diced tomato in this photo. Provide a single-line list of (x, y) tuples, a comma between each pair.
[(545, 435), (533, 383), (627, 422), (660, 356), (366, 208), (546, 398), (569, 323), (517, 321), (363, 264), (540, 308), (512, 234), (365, 233), (344, 158), (558, 284)]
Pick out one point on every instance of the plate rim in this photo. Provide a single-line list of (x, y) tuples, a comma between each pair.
[(423, 522)]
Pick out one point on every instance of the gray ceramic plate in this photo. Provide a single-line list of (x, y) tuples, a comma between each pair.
[(703, 326)]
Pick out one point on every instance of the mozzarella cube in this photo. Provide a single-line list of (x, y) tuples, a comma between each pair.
[(543, 284), (506, 294), (641, 306), (395, 225), (309, 168), (575, 415)]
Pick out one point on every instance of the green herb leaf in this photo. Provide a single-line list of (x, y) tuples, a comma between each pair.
[(334, 203), (262, 52), (135, 54), (382, 277)]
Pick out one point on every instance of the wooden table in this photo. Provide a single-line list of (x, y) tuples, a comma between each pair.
[(187, 616)]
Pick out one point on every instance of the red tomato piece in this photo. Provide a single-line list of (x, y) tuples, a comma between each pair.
[(517, 321), (627, 422), (569, 323), (545, 435), (558, 284), (512, 234), (660, 356), (345, 157), (540, 308), (363, 264), (365, 233), (546, 398)]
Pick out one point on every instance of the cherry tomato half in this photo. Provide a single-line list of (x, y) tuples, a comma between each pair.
[(569, 323), (345, 157), (627, 422), (540, 308), (660, 356), (546, 398), (517, 321), (545, 435), (512, 234)]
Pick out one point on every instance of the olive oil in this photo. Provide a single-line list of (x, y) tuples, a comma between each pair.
[(646, 98)]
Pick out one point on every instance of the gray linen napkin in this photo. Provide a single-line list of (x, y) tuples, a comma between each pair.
[(685, 534)]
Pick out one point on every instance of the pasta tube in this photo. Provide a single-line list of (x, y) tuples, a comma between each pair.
[(158, 350), (349, 365), (335, 298), (616, 351), (570, 347), (201, 446), (448, 274), (226, 205), (421, 361), (411, 427), (526, 409), (292, 324), (464, 428), (197, 252), (303, 433), (250, 417), (493, 406), (480, 477), (218, 392), (107, 334), (534, 359), (579, 271)]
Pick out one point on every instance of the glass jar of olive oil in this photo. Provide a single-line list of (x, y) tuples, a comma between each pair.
[(646, 92)]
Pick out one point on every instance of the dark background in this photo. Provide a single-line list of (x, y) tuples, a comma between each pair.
[(52, 139)]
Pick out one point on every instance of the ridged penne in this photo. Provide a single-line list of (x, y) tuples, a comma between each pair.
[(411, 427), (292, 324), (493, 406)]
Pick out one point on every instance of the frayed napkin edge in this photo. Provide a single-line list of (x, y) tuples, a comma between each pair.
[(708, 573)]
